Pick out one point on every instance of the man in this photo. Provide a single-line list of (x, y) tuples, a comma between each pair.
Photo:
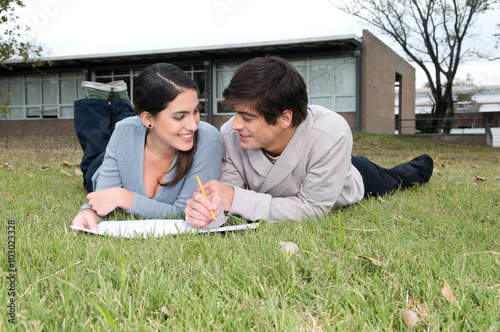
[(285, 160)]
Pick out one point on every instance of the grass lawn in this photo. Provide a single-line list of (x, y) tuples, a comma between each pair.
[(359, 268)]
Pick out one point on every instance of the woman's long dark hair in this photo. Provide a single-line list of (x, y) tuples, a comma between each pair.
[(154, 89)]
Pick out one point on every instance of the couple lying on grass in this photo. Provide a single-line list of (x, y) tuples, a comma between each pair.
[(276, 159)]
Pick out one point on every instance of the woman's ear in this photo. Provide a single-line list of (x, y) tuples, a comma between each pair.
[(146, 119), (285, 120)]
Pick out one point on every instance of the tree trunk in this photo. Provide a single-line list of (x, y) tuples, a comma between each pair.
[(450, 108), (444, 111), (450, 114), (439, 116)]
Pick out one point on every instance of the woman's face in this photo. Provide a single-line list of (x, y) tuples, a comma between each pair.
[(174, 127)]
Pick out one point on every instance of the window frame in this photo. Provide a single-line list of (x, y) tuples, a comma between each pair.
[(39, 109), (335, 61)]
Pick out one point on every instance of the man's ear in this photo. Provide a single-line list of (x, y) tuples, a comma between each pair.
[(285, 120)]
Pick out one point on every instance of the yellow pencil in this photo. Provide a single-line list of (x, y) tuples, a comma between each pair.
[(204, 194)]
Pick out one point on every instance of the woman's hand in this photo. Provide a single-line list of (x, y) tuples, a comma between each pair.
[(105, 201), (86, 219), (220, 198), (197, 211)]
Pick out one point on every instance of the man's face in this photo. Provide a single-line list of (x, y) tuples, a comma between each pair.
[(255, 133)]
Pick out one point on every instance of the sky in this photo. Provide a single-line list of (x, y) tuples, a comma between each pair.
[(86, 27)]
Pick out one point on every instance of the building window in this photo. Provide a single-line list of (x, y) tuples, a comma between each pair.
[(197, 73), (53, 95), (223, 73), (331, 82), (126, 75), (41, 96)]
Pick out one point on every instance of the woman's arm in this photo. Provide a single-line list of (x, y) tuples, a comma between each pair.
[(109, 193), (105, 201), (206, 165), (86, 218)]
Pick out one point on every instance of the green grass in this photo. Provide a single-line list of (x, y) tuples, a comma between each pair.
[(446, 231)]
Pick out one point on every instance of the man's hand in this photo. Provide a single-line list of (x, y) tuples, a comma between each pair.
[(220, 198), (86, 219), (214, 188), (105, 201)]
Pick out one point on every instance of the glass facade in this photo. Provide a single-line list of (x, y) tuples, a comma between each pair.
[(52, 95), (331, 82), (197, 73), (40, 96), (223, 74)]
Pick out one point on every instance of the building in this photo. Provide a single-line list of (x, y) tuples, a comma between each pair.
[(354, 76), (477, 109), (476, 118), (475, 106)]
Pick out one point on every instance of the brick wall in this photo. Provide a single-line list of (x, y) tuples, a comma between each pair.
[(470, 139), (66, 127), (37, 127), (379, 67)]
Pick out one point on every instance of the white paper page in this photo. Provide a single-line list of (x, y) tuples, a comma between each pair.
[(155, 228)]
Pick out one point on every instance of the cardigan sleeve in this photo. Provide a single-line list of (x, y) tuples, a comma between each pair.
[(108, 174), (119, 162), (206, 165)]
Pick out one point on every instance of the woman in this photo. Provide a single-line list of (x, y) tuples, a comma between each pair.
[(148, 164)]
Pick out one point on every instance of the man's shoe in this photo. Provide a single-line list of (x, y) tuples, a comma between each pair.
[(424, 165), (416, 171), (96, 90), (118, 90)]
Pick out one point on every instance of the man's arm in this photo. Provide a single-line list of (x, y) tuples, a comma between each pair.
[(313, 190), (197, 212), (220, 197), (318, 189)]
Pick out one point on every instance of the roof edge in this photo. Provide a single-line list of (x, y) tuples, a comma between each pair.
[(206, 48)]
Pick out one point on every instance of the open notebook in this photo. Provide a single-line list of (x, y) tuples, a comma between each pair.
[(155, 228)]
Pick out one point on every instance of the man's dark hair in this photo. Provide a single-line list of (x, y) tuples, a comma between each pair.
[(270, 85)]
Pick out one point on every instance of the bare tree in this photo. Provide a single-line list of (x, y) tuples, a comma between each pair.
[(497, 36), (431, 32), (14, 36)]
